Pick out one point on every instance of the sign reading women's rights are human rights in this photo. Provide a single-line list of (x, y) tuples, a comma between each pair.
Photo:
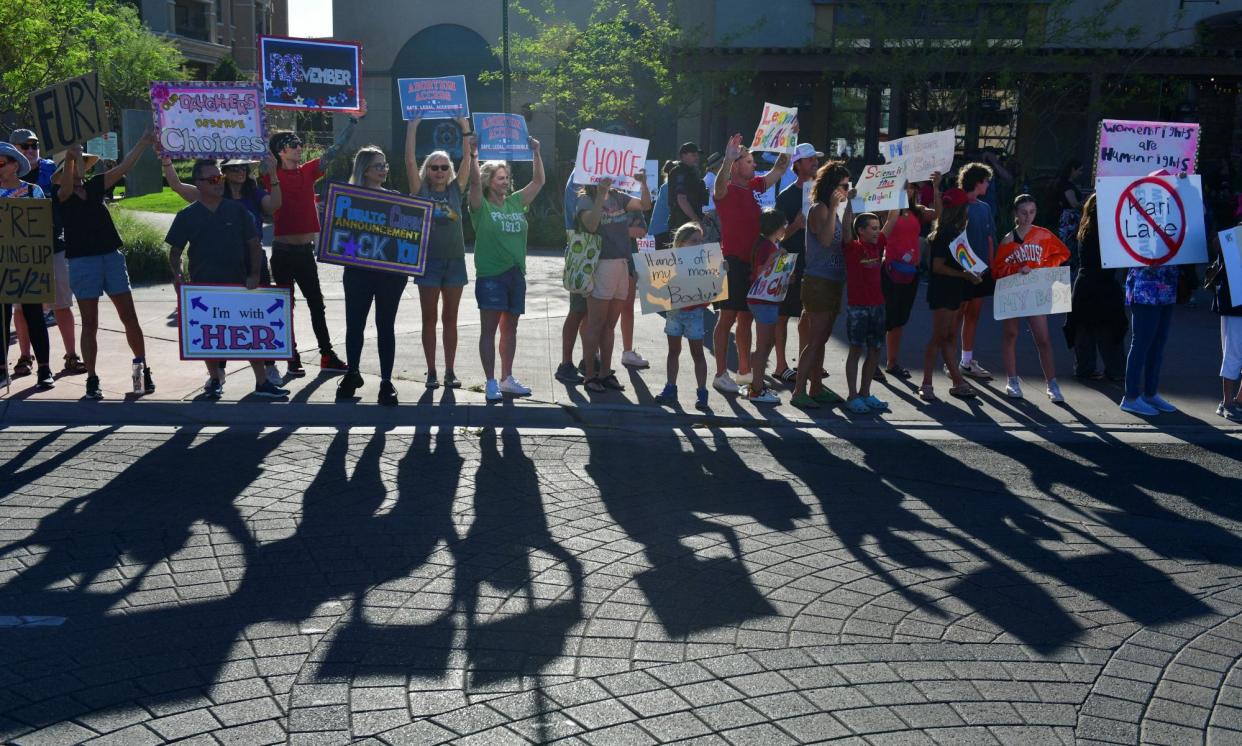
[(375, 229)]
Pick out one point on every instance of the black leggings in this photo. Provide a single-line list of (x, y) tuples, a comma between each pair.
[(295, 264), (361, 287), (33, 313)]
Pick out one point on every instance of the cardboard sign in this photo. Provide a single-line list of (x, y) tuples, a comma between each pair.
[(1150, 221), (775, 133), (433, 98), (375, 229), (26, 251), (209, 120), (314, 75), (68, 112), (677, 278), (1231, 254), (616, 157), (502, 137), (965, 256), (772, 284), (1037, 293), (106, 146), (923, 154), (229, 322), (1128, 148), (881, 188)]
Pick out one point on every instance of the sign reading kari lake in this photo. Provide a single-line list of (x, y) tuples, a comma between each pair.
[(375, 229)]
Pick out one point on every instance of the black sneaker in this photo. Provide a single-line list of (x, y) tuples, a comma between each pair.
[(148, 383), (387, 394), (332, 363), (350, 383), (213, 389), (269, 391), (295, 369), (566, 373), (44, 379), (92, 388)]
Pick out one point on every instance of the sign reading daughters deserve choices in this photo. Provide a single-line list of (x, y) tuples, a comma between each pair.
[(209, 120), (604, 156), (375, 229)]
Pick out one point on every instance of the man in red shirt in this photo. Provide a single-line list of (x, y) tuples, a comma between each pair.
[(297, 229), (734, 193)]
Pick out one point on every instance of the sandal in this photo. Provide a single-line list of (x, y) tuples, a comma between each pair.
[(788, 375), (594, 386), (22, 368), (927, 393), (899, 372), (963, 392), (611, 382)]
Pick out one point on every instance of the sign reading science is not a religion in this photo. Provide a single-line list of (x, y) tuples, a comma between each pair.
[(375, 229), (209, 120)]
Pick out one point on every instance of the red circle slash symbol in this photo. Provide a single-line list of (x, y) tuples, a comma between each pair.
[(1172, 243)]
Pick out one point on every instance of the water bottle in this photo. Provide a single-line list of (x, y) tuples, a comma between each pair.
[(137, 374)]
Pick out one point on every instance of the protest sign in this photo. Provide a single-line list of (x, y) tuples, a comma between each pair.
[(772, 284), (653, 177), (1127, 148), (375, 229), (808, 198), (26, 251), (966, 256), (229, 322), (433, 98), (1231, 254), (881, 188), (313, 75), (502, 137), (775, 133), (646, 243), (616, 157), (923, 154), (69, 111), (1150, 221), (209, 120), (676, 278), (106, 146), (1038, 293)]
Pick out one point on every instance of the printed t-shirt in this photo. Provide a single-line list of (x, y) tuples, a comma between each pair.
[(739, 219), (88, 224), (903, 240), (26, 191), (862, 272), (218, 240), (297, 213), (614, 223), (499, 236), (447, 240), (1039, 248), (763, 252)]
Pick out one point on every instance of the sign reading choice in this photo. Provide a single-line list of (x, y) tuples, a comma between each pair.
[(433, 98), (502, 137), (209, 120), (26, 251), (229, 322), (671, 279), (604, 156), (68, 112), (1038, 293), (1150, 221), (315, 75), (375, 229), (1129, 148)]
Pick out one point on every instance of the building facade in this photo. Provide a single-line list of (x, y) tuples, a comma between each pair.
[(207, 31)]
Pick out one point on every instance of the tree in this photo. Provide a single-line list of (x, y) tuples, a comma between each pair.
[(44, 41), (226, 71)]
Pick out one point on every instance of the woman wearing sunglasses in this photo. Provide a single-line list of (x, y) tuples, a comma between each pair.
[(446, 249)]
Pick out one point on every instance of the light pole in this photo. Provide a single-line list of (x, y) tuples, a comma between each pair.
[(504, 63)]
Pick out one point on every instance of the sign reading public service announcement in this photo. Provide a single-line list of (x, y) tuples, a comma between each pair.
[(26, 251), (310, 74), (923, 154), (502, 137), (1150, 221), (1127, 148), (433, 98), (209, 120), (375, 229), (604, 156), (670, 279), (69, 111), (229, 322), (1037, 293)]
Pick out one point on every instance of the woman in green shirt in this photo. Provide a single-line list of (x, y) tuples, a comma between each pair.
[(499, 220)]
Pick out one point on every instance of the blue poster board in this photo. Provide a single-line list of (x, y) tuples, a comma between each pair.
[(311, 75), (433, 98), (502, 137), (375, 229)]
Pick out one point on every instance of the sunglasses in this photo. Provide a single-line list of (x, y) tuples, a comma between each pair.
[(211, 179), (29, 146), (7, 161), (294, 144), (438, 167)]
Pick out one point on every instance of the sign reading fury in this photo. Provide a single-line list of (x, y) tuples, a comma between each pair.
[(68, 112)]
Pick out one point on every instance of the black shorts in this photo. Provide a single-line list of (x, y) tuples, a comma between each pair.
[(898, 300), (946, 293), (738, 280), (985, 289), (792, 305)]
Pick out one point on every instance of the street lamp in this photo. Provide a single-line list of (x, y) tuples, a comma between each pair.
[(504, 63)]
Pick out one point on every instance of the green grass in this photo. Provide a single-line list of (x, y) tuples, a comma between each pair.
[(165, 201), (146, 256)]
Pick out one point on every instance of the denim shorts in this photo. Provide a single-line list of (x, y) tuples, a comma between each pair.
[(92, 276), (443, 273), (864, 326), (503, 292), (686, 323), (764, 313)]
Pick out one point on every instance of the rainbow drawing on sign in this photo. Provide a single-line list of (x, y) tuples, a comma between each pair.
[(965, 256)]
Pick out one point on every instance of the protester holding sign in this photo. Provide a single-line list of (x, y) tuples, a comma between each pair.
[(500, 228), (791, 201), (685, 322), (297, 229), (975, 179), (1023, 249), (13, 166), (1097, 319), (899, 280), (947, 291), (96, 264), (1230, 406), (864, 326), (765, 311), (445, 273)]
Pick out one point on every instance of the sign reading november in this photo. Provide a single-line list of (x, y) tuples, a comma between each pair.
[(229, 322), (209, 120), (670, 279), (317, 75), (433, 98), (375, 229), (26, 251)]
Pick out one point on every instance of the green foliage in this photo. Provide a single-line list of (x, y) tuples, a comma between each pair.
[(226, 71), (45, 41), (165, 201), (146, 256)]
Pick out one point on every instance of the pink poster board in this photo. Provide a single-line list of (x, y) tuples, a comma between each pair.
[(1132, 148)]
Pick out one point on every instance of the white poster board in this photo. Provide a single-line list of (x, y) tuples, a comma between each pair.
[(616, 157), (881, 188), (670, 279), (1150, 220), (1231, 251), (229, 322), (1130, 148), (965, 256), (775, 133), (923, 154), (1038, 293)]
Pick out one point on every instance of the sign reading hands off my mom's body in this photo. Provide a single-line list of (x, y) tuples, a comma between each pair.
[(229, 322), (375, 229), (604, 156), (310, 74), (1127, 148), (670, 279), (26, 251)]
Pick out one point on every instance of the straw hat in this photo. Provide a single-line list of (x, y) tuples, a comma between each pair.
[(88, 162)]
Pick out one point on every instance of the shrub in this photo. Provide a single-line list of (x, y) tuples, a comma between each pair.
[(146, 257)]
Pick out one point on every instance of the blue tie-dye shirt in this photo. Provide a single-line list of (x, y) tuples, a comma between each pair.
[(1152, 286)]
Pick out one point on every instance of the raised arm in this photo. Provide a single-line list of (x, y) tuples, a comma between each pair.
[(117, 172), (467, 155), (531, 190), (73, 157), (272, 202), (411, 159), (476, 182), (642, 202), (890, 222), (187, 192), (773, 177), (343, 138), (733, 151), (591, 218)]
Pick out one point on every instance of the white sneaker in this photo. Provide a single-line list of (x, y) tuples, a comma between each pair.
[(975, 370), (493, 390), (1013, 388), (513, 386), (1054, 393), (724, 384), (745, 378), (273, 376), (631, 359), (767, 397)]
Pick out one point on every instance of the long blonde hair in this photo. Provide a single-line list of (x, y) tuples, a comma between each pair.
[(363, 159), (488, 170), (422, 171)]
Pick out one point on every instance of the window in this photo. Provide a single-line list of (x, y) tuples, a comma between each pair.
[(847, 132), (898, 23)]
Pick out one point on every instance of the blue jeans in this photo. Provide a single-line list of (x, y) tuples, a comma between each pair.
[(1150, 327)]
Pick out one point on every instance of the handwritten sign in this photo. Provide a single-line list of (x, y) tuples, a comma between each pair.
[(1150, 221), (229, 322), (965, 256), (26, 251), (310, 74), (1038, 293), (678, 278), (71, 111), (1231, 254), (646, 243), (106, 146), (502, 137), (209, 120), (775, 133), (881, 188), (923, 154), (616, 157), (375, 229), (433, 98), (772, 284), (1129, 148)]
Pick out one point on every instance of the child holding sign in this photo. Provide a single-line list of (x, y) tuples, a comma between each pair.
[(864, 307), (946, 294), (688, 323), (765, 312)]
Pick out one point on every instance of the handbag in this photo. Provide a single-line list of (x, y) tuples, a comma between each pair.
[(581, 256)]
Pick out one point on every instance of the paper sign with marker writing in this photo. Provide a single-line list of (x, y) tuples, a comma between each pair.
[(1150, 220), (1129, 148), (1038, 293), (1231, 252), (881, 188), (616, 157), (26, 274), (433, 98), (375, 229), (670, 279), (923, 154), (965, 256), (775, 133), (229, 322)]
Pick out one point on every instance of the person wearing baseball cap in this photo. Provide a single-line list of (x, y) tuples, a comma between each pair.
[(789, 201), (41, 169), (948, 290), (687, 195)]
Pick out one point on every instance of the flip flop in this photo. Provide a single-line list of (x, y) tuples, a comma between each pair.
[(927, 393), (788, 375), (963, 392), (901, 373)]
